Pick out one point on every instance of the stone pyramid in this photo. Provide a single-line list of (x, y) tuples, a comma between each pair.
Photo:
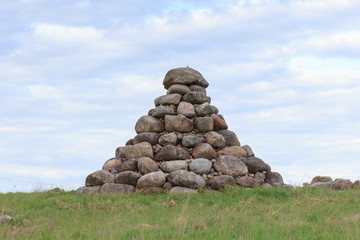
[(182, 145)]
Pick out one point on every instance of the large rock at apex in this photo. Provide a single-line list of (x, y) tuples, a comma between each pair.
[(154, 179), (187, 179), (274, 178), (230, 165), (127, 177), (204, 124), (136, 151), (171, 152), (178, 88), (147, 165), (235, 151), (190, 141), (112, 163), (99, 177), (220, 182), (168, 139), (115, 189), (214, 139), (148, 124), (87, 191), (219, 123), (178, 123), (200, 166), (204, 150), (186, 109), (205, 109), (195, 98), (171, 166), (230, 138), (170, 99), (185, 76), (150, 137), (255, 165), (161, 111)]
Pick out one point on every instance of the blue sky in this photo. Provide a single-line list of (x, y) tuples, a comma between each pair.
[(76, 75)]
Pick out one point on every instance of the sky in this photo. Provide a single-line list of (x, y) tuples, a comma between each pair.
[(75, 76)]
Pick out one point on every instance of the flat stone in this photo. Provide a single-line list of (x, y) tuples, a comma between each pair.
[(274, 179), (186, 109), (219, 123), (150, 137), (220, 182), (322, 185), (127, 177), (214, 139), (204, 110), (99, 177), (161, 111), (171, 166), (147, 165), (186, 179), (171, 152), (148, 124), (154, 179), (128, 165), (116, 189), (170, 99), (321, 179), (195, 97), (255, 165), (178, 123), (143, 149), (88, 191), (235, 151), (197, 88), (204, 124), (168, 139), (200, 166), (190, 141), (185, 76), (112, 163), (249, 151), (230, 165), (230, 138), (178, 88), (182, 190), (246, 181), (204, 150)]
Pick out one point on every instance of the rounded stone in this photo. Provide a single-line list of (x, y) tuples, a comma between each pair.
[(204, 110), (274, 178), (195, 97), (204, 124), (200, 166), (186, 109), (185, 76), (112, 163), (147, 165), (230, 138), (99, 177), (128, 165), (143, 149), (249, 151), (229, 165), (197, 88), (170, 152), (187, 179), (204, 150), (115, 189), (148, 124), (178, 88), (168, 139), (171, 166), (150, 137), (220, 182), (154, 179), (235, 151), (219, 123), (170, 99), (214, 139), (127, 177), (190, 141), (255, 165), (161, 111), (178, 123), (321, 179)]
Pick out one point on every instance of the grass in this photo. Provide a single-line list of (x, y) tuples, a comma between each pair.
[(238, 213)]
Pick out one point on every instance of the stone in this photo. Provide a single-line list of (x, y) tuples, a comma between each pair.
[(154, 179), (215, 140), (260, 177), (219, 123), (220, 182), (287, 186), (147, 165), (321, 179), (150, 137), (248, 150), (185, 76), (178, 88), (204, 150), (190, 141), (130, 142), (230, 138), (4, 219), (170, 152), (204, 110), (197, 88), (235, 151), (88, 191), (200, 166), (342, 184), (274, 178), (148, 124), (128, 165), (255, 165), (322, 185), (143, 149), (168, 139), (170, 99), (167, 186), (266, 185), (246, 181), (99, 177), (187, 179), (357, 184), (127, 177), (116, 189), (204, 124), (230, 165), (112, 163), (161, 111), (195, 97), (178, 123), (171, 166), (182, 190), (186, 109)]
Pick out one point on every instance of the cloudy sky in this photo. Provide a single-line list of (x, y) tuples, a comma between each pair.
[(76, 75)]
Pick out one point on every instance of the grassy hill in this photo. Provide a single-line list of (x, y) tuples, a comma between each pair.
[(237, 213)]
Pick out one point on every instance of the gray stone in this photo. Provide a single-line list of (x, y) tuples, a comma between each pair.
[(204, 109), (246, 181), (185, 76), (322, 185), (130, 142), (147, 165), (168, 139), (219, 122), (112, 163), (99, 177), (182, 190), (235, 151), (220, 182), (260, 177), (150, 137), (287, 186), (186, 109), (171, 152), (127, 177), (167, 186), (321, 179), (4, 219), (170, 99), (230, 165), (191, 141), (148, 124), (200, 166), (161, 111), (87, 191), (266, 185), (249, 151), (178, 88), (274, 179), (143, 149), (204, 150), (154, 179), (204, 124), (197, 88), (178, 123), (195, 97), (128, 165), (187, 179), (171, 166), (255, 165), (230, 138), (116, 189), (214, 139)]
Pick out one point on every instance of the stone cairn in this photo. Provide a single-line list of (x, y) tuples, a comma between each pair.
[(181, 146)]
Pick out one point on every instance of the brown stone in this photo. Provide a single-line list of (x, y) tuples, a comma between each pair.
[(220, 182), (128, 165), (204, 124), (149, 124), (87, 191), (161, 111), (170, 99), (342, 184), (143, 149), (187, 179), (112, 163), (171, 152), (186, 109), (214, 139), (246, 181), (178, 88), (150, 137), (230, 165), (204, 150), (249, 152), (255, 165), (171, 166), (235, 151), (127, 177), (321, 179), (147, 165), (115, 189), (197, 88), (99, 177), (274, 178), (185, 76), (230, 138), (154, 179), (178, 123), (219, 123)]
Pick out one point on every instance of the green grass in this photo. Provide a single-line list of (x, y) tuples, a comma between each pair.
[(238, 213)]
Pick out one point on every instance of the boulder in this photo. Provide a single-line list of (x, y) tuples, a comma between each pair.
[(214, 139), (186, 109), (171, 166), (322, 185), (112, 163), (147, 165), (178, 88), (266, 185), (342, 184), (182, 190), (115, 189), (200, 166), (197, 88), (220, 182), (148, 124), (195, 98), (143, 149), (87, 191), (154, 179), (178, 123), (255, 165), (219, 123), (230, 138), (204, 124), (357, 184), (127, 177), (128, 165), (168, 139), (248, 150), (321, 179), (274, 178), (230, 165), (170, 99), (190, 141), (204, 150), (235, 151), (161, 111), (247, 181), (187, 179), (171, 152), (185, 76), (150, 137), (99, 177), (204, 110)]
